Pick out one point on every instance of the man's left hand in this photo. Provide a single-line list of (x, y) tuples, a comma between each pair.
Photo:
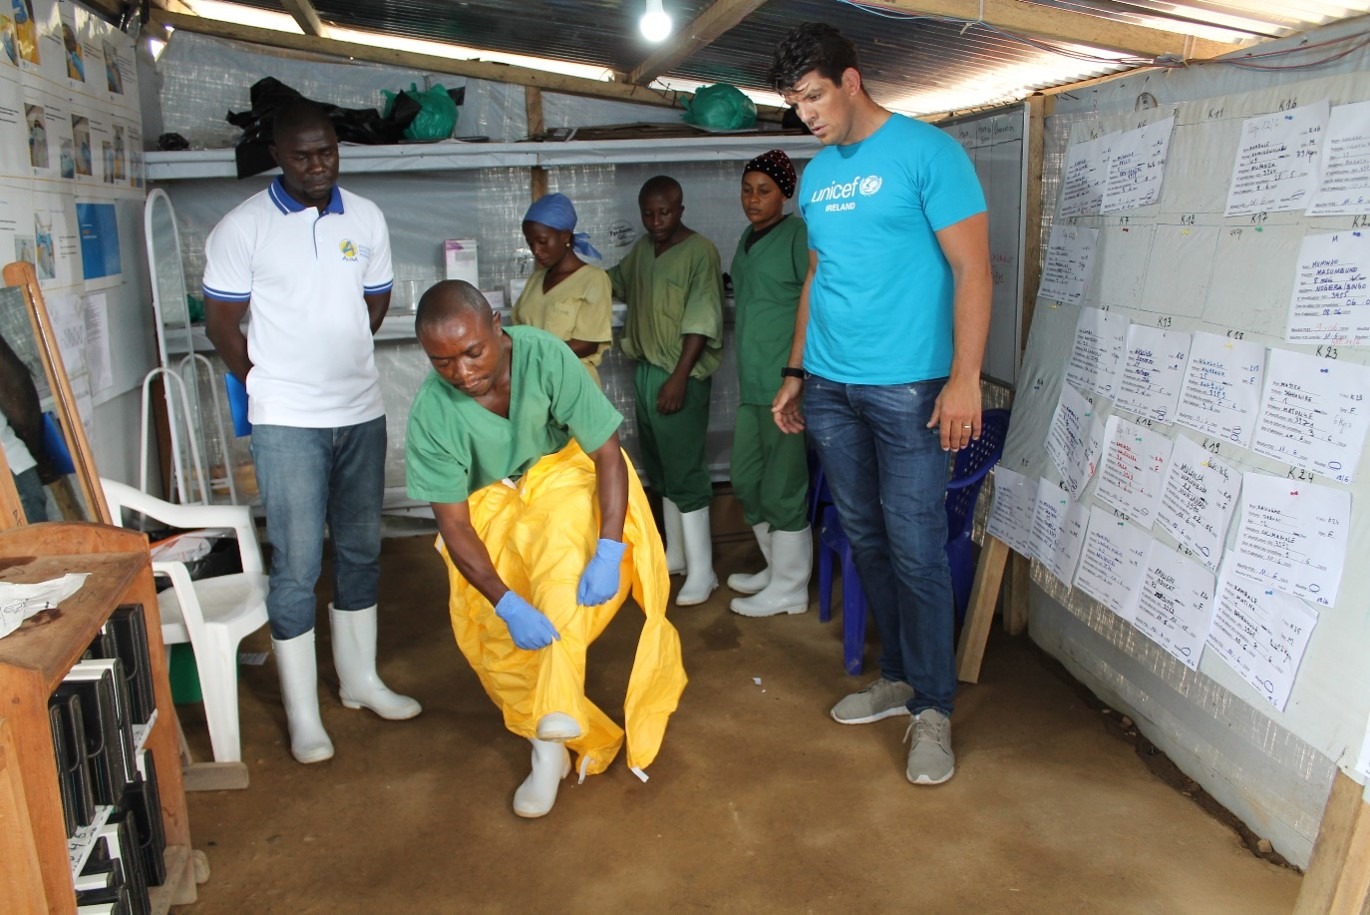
[(956, 414), (671, 397), (599, 581)]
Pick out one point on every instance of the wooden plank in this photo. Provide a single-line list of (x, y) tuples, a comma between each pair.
[(22, 888), (11, 508), (477, 69), (980, 613), (215, 776), (1068, 26), (304, 14), (1337, 881), (21, 274), (715, 20)]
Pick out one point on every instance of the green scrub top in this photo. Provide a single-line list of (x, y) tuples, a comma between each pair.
[(680, 292), (455, 446), (766, 284)]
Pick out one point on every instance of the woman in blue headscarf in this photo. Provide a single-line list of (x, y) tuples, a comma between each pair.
[(565, 296)]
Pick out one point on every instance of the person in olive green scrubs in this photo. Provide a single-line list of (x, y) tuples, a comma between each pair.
[(565, 296), (673, 284), (769, 468)]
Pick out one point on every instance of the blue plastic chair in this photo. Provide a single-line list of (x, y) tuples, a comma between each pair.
[(969, 470)]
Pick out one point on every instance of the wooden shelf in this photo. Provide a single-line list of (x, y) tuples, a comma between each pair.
[(33, 660)]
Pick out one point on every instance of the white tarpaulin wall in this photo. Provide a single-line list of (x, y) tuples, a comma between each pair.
[(1273, 768)]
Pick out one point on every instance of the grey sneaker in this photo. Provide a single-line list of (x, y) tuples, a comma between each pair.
[(882, 699), (931, 761)]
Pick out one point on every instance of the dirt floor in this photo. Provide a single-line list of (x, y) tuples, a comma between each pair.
[(759, 802)]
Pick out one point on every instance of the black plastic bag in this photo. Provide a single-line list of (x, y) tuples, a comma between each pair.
[(354, 125)]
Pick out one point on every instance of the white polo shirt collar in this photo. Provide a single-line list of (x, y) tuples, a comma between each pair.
[(287, 204)]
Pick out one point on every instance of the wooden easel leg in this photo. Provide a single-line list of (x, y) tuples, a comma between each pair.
[(1338, 878), (984, 594), (1016, 595)]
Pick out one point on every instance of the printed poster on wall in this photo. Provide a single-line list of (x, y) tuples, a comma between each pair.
[(100, 257)]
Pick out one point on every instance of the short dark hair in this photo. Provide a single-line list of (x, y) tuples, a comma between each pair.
[(447, 300), (660, 184), (811, 46), (296, 115)]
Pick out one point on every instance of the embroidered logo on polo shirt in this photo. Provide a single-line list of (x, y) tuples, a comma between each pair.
[(349, 250)]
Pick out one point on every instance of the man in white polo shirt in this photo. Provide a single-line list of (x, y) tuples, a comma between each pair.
[(311, 263)]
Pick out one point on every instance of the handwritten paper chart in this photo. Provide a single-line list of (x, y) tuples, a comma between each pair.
[(1344, 186), (1133, 470), (1010, 516), (1175, 604), (1082, 182), (1221, 393), (1153, 372), (1058, 530), (1070, 254), (1278, 161), (1261, 633), (1314, 413), (1331, 299), (1136, 165), (1074, 440), (1198, 500), (1293, 536), (1096, 357), (1113, 562)]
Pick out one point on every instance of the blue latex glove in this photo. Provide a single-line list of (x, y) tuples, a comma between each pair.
[(528, 627), (599, 581)]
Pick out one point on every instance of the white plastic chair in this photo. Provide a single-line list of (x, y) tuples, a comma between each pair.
[(212, 614)]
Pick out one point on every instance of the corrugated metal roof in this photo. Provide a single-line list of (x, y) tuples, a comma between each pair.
[(917, 65)]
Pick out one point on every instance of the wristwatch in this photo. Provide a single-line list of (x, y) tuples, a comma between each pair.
[(789, 371)]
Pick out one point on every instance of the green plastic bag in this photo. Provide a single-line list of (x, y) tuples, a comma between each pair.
[(437, 117), (721, 107)]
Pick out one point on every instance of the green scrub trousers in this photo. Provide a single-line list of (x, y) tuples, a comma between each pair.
[(770, 471), (673, 445)]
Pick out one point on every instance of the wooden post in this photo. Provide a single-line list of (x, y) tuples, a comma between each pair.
[(1338, 878), (532, 104), (1032, 214), (1016, 595)]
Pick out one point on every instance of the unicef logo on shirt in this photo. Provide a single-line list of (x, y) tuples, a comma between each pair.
[(871, 186)]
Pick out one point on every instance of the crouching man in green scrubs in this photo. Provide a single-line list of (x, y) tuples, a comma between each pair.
[(769, 467)]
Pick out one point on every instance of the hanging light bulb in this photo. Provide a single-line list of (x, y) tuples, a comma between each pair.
[(655, 23)]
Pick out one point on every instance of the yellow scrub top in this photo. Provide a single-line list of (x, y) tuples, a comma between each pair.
[(580, 307)]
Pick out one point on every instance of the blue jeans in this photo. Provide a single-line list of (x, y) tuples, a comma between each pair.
[(888, 477), (308, 477)]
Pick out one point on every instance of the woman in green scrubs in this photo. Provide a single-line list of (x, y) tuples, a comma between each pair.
[(769, 468)]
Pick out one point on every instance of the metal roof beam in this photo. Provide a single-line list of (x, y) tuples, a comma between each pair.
[(476, 69), (1037, 21), (717, 18), (304, 13)]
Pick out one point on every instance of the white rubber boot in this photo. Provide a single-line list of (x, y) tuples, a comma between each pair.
[(750, 584), (791, 565), (675, 537), (354, 658), (557, 726), (299, 671), (700, 579), (538, 793)]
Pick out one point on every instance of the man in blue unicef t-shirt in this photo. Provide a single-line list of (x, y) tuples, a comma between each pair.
[(884, 370)]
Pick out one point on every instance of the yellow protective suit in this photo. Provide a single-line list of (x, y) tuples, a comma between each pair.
[(540, 536)]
